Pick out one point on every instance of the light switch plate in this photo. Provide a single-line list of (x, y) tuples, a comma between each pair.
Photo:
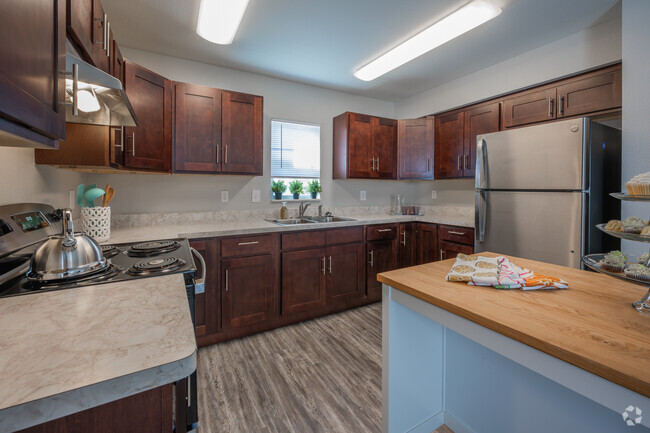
[(434, 193), (255, 196), (362, 195), (224, 196)]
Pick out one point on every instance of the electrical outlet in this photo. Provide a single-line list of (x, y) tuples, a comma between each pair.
[(224, 196), (362, 195), (255, 196), (434, 193)]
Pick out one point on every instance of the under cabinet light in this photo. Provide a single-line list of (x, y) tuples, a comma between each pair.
[(463, 20), (220, 19), (87, 101)]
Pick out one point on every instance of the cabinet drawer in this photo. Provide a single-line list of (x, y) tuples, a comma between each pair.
[(306, 239), (461, 235), (246, 245), (384, 231), (344, 236)]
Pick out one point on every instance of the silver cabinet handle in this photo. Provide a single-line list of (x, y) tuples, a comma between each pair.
[(75, 89), (218, 152), (133, 143), (249, 243), (330, 258), (226, 280), (442, 253), (428, 164), (467, 162), (199, 284), (460, 162), (456, 233), (372, 258), (225, 158), (121, 145), (561, 106), (107, 39), (103, 21), (372, 164), (550, 107), (189, 392), (384, 230), (106, 33), (323, 264), (404, 238)]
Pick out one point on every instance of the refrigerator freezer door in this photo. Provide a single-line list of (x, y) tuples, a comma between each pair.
[(546, 157), (544, 226)]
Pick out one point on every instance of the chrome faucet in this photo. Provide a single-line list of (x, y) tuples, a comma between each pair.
[(303, 207)]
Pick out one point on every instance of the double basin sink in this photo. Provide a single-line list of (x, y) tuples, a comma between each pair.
[(309, 220)]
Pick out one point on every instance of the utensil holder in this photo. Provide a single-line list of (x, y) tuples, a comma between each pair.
[(96, 222)]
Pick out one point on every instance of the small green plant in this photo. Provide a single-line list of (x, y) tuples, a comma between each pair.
[(314, 186), (296, 187), (278, 186)]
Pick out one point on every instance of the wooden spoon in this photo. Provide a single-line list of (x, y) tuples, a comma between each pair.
[(110, 193)]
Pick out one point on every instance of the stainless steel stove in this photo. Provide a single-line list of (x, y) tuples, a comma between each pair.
[(23, 227)]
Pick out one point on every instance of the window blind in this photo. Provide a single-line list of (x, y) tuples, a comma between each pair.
[(295, 150)]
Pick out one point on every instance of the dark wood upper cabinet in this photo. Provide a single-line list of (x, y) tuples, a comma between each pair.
[(81, 27), (149, 145), (427, 243), (248, 290), (480, 120), (530, 107), (345, 272), (415, 148), (304, 279), (591, 93), (365, 147), (117, 61), (449, 145), (101, 38), (242, 145), (197, 129), (31, 83), (406, 248)]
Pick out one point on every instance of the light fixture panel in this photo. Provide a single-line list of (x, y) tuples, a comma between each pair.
[(219, 20)]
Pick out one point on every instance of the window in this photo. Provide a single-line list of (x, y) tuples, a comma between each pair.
[(295, 155)]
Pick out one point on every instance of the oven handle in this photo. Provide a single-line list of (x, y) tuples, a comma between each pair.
[(199, 284)]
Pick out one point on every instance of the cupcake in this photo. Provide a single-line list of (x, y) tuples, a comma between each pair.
[(614, 225), (638, 272), (643, 259), (645, 231), (614, 261), (639, 184), (634, 227)]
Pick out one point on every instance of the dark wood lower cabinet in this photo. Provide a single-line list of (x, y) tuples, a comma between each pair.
[(248, 290), (449, 250), (345, 273), (382, 256), (147, 412), (427, 243), (208, 313), (303, 280), (406, 247)]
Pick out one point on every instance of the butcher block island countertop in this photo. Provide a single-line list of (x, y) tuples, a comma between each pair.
[(65, 351), (592, 325)]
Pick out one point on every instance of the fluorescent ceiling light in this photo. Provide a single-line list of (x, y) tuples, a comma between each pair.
[(459, 22), (219, 19)]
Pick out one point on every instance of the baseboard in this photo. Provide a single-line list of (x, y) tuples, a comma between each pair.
[(429, 424)]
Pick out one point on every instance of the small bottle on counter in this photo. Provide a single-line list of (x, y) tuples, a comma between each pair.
[(284, 212)]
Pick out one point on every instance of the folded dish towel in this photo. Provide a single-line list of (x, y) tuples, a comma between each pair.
[(500, 273)]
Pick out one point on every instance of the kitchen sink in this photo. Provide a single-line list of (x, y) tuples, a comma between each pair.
[(308, 220)]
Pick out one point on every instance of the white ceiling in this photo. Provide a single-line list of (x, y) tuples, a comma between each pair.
[(322, 42)]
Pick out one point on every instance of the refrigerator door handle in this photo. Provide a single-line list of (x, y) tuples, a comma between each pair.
[(480, 216), (481, 163)]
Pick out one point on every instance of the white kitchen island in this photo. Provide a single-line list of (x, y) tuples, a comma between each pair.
[(481, 360)]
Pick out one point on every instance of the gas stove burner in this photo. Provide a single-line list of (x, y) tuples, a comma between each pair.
[(154, 266), (109, 251), (146, 249)]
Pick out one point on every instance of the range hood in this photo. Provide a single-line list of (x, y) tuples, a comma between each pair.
[(95, 97)]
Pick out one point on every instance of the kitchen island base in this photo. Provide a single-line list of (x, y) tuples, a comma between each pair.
[(440, 368)]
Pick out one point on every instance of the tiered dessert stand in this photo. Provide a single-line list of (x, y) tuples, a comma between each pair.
[(593, 260)]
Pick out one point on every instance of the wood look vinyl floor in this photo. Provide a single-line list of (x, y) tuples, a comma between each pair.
[(323, 375)]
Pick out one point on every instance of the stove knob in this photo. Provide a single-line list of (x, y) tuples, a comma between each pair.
[(5, 228)]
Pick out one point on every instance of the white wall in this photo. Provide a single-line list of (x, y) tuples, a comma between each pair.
[(636, 104), (587, 49)]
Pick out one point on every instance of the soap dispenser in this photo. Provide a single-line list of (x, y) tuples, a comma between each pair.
[(284, 212)]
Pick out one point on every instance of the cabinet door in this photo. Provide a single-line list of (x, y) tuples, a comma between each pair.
[(149, 145), (345, 273), (360, 150), (101, 48), (33, 52), (208, 315), (197, 129), (248, 290), (449, 146), (449, 250), (600, 92), (117, 62), (116, 146), (480, 120), (384, 133), (406, 238), (532, 107), (303, 280), (80, 25), (243, 151), (382, 256), (427, 243), (415, 147)]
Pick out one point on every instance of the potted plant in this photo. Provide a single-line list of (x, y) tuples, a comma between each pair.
[(278, 187), (314, 187), (296, 188)]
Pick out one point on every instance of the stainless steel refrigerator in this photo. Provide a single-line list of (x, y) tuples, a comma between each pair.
[(541, 190)]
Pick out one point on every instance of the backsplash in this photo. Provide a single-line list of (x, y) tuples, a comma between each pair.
[(150, 219)]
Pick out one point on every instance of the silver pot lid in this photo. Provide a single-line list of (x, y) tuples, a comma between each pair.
[(66, 256)]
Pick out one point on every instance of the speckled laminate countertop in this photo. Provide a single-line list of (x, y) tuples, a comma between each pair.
[(65, 351)]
